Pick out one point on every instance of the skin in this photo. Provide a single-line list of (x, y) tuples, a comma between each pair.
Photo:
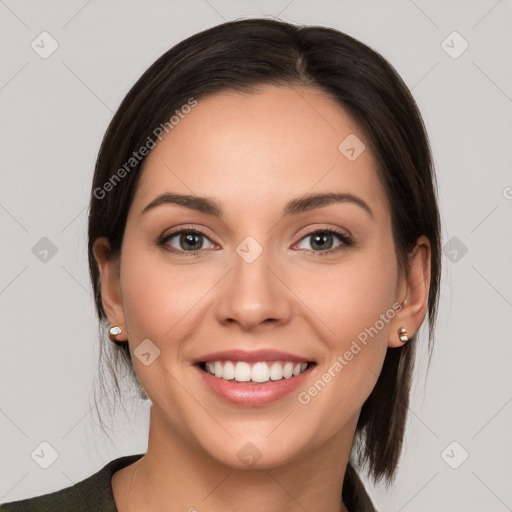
[(252, 153)]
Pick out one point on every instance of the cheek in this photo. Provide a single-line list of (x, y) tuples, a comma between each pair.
[(350, 298), (146, 294), (157, 296), (355, 304), (149, 287)]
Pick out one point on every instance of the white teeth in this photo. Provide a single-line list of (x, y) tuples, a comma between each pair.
[(288, 370), (276, 371), (260, 371), (299, 368), (218, 369), (228, 372), (242, 371)]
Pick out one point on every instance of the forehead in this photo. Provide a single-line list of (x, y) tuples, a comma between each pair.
[(245, 148)]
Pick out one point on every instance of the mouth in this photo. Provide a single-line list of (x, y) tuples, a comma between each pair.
[(253, 378), (254, 372)]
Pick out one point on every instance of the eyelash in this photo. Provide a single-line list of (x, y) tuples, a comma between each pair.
[(344, 239)]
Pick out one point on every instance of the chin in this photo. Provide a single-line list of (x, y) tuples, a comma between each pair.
[(256, 452)]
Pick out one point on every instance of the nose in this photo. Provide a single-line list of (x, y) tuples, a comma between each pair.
[(253, 294)]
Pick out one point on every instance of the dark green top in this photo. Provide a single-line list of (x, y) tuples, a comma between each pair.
[(94, 494)]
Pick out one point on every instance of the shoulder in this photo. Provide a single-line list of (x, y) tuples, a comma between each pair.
[(91, 494)]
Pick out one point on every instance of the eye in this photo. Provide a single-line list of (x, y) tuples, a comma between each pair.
[(189, 241), (324, 241)]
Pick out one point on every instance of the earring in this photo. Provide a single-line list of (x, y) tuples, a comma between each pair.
[(115, 330), (402, 334)]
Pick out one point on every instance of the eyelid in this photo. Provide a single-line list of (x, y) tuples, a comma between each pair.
[(345, 238), (189, 229), (164, 239), (322, 229)]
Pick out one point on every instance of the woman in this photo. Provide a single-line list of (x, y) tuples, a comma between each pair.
[(263, 247)]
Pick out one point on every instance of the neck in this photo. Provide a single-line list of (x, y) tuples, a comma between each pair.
[(174, 475)]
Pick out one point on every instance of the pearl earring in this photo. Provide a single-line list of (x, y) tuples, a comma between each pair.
[(114, 331), (402, 334)]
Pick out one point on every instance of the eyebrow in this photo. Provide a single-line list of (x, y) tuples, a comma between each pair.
[(294, 206)]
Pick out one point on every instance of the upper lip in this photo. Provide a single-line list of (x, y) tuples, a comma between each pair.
[(251, 356)]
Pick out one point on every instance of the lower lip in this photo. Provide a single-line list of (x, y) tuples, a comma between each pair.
[(240, 393)]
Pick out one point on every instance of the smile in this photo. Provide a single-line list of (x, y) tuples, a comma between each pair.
[(256, 372), (253, 378)]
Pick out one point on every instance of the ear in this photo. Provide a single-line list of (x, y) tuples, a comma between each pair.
[(413, 292), (110, 285)]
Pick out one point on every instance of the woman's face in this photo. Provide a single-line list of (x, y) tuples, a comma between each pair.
[(268, 279)]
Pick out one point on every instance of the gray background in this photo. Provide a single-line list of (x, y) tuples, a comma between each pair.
[(54, 113)]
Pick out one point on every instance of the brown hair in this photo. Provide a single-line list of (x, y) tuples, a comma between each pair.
[(240, 55)]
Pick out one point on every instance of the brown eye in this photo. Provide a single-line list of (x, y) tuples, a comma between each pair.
[(186, 241), (324, 240)]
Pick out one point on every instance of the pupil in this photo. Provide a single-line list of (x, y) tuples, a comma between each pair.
[(322, 241), (191, 241)]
